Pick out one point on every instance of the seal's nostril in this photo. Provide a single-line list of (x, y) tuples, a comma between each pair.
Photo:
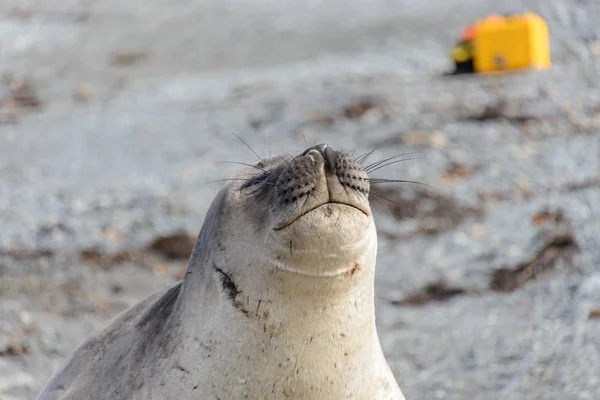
[(329, 155), (319, 147), (330, 158)]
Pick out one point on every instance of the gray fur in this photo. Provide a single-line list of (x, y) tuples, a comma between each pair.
[(284, 262)]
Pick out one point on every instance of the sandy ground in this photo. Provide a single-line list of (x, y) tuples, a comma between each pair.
[(116, 117)]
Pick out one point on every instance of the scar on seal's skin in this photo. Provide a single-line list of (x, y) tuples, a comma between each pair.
[(232, 290), (353, 271), (179, 367), (228, 284)]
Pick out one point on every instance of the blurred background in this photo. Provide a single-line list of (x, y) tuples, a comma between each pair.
[(115, 117)]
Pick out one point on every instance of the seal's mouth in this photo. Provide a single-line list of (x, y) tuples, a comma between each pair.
[(319, 180), (353, 207)]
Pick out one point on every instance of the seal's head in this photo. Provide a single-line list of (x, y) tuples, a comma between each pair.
[(306, 215)]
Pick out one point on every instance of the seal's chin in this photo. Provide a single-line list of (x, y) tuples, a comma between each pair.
[(328, 240), (326, 210)]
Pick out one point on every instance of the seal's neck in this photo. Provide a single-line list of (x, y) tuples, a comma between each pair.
[(292, 337), (280, 302)]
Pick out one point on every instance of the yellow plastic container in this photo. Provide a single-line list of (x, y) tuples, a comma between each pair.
[(511, 43)]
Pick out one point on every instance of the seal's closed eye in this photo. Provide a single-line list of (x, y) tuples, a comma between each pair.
[(256, 180)]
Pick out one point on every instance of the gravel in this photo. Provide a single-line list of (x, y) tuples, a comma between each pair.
[(133, 114)]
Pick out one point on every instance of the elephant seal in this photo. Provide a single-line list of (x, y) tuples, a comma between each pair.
[(277, 302)]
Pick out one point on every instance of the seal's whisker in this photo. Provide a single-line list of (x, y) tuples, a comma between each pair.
[(383, 197), (242, 163), (389, 159), (247, 145), (412, 215), (265, 194), (394, 162), (238, 179), (227, 180), (284, 160), (377, 181), (363, 158), (350, 153), (303, 136)]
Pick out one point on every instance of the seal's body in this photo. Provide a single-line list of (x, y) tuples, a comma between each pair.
[(277, 302)]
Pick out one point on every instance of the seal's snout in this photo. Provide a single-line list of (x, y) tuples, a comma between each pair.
[(349, 173), (320, 175)]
